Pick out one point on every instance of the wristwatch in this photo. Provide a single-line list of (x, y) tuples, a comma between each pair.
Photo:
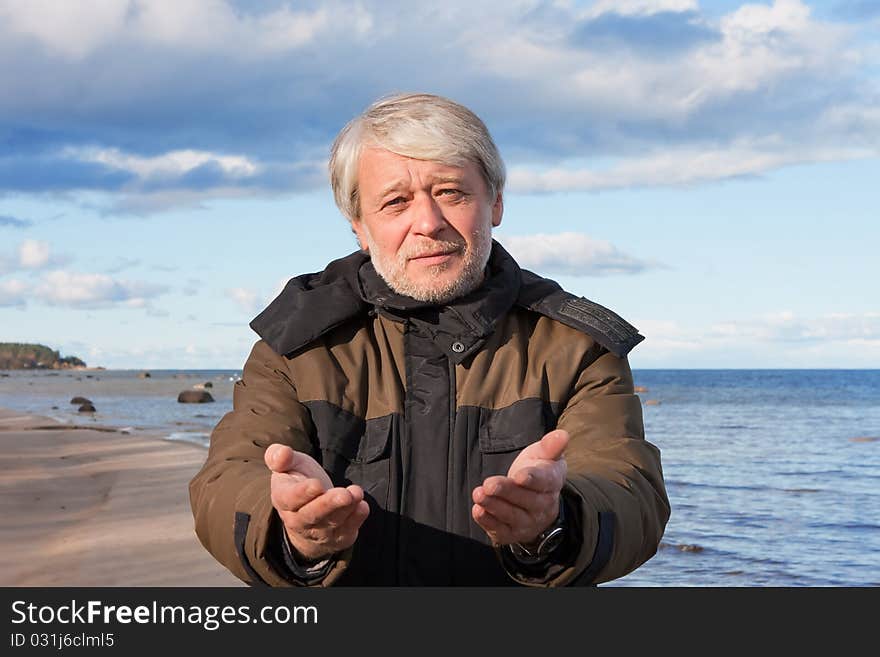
[(546, 542)]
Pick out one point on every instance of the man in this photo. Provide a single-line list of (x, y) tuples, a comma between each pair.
[(423, 411)]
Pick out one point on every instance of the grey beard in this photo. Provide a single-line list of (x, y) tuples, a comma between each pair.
[(472, 274)]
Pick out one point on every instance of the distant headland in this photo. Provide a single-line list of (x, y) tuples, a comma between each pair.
[(22, 356)]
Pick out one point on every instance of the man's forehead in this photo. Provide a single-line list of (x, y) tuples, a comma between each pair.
[(386, 169), (405, 180)]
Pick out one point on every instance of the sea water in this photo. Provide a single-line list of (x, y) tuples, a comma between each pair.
[(773, 475)]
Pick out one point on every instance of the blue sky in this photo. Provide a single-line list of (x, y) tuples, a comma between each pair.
[(709, 170)]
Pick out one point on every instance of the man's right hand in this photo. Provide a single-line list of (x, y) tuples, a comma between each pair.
[(319, 519)]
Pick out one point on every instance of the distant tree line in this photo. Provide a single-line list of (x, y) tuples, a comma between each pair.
[(21, 356)]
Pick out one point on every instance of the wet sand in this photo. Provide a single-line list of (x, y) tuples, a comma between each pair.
[(93, 506)]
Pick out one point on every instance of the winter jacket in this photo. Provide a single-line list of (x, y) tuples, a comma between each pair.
[(418, 404)]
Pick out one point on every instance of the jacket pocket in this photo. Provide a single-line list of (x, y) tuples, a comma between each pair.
[(505, 432), (352, 450), (370, 466)]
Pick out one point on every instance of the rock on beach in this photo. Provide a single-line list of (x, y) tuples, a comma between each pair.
[(194, 397)]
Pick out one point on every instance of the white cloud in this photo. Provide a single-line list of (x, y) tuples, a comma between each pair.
[(161, 182), (775, 328), (762, 46), (747, 157), (758, 47), (247, 300), (285, 29), (777, 340), (174, 23), (782, 16), (169, 165), (638, 7), (13, 293), (573, 254), (64, 288), (33, 254), (193, 199), (669, 339), (214, 24), (765, 86), (181, 351), (787, 327), (77, 29), (72, 29), (853, 119)]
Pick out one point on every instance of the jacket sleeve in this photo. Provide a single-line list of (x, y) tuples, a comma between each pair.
[(614, 487), (615, 479), (230, 496)]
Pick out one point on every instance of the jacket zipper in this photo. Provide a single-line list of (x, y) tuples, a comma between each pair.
[(450, 452)]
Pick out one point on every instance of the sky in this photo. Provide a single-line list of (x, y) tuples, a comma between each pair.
[(707, 170)]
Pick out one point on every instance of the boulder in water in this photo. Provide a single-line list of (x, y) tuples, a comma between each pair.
[(194, 397), (683, 547), (80, 400), (86, 408)]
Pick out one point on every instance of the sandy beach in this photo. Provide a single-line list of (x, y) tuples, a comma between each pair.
[(94, 506)]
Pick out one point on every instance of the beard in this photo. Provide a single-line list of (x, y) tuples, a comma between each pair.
[(433, 289)]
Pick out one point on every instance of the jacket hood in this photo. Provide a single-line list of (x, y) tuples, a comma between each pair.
[(313, 304)]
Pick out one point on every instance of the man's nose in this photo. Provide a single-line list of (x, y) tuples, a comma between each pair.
[(429, 219)]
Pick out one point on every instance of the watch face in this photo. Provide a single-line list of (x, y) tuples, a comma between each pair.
[(545, 544), (552, 541)]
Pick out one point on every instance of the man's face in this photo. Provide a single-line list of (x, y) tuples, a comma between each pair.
[(427, 226)]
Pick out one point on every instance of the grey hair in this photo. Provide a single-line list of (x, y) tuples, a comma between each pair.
[(420, 126)]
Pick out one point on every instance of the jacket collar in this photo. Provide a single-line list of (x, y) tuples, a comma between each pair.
[(312, 304)]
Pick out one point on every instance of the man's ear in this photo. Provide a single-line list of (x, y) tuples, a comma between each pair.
[(497, 209), (357, 227)]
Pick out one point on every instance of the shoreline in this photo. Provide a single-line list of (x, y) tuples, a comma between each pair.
[(98, 506)]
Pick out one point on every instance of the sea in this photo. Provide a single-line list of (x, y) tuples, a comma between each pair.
[(773, 475)]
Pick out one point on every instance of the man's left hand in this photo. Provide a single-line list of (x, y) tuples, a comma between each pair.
[(518, 507)]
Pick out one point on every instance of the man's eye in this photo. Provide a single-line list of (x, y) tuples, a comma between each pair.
[(449, 192), (395, 201)]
